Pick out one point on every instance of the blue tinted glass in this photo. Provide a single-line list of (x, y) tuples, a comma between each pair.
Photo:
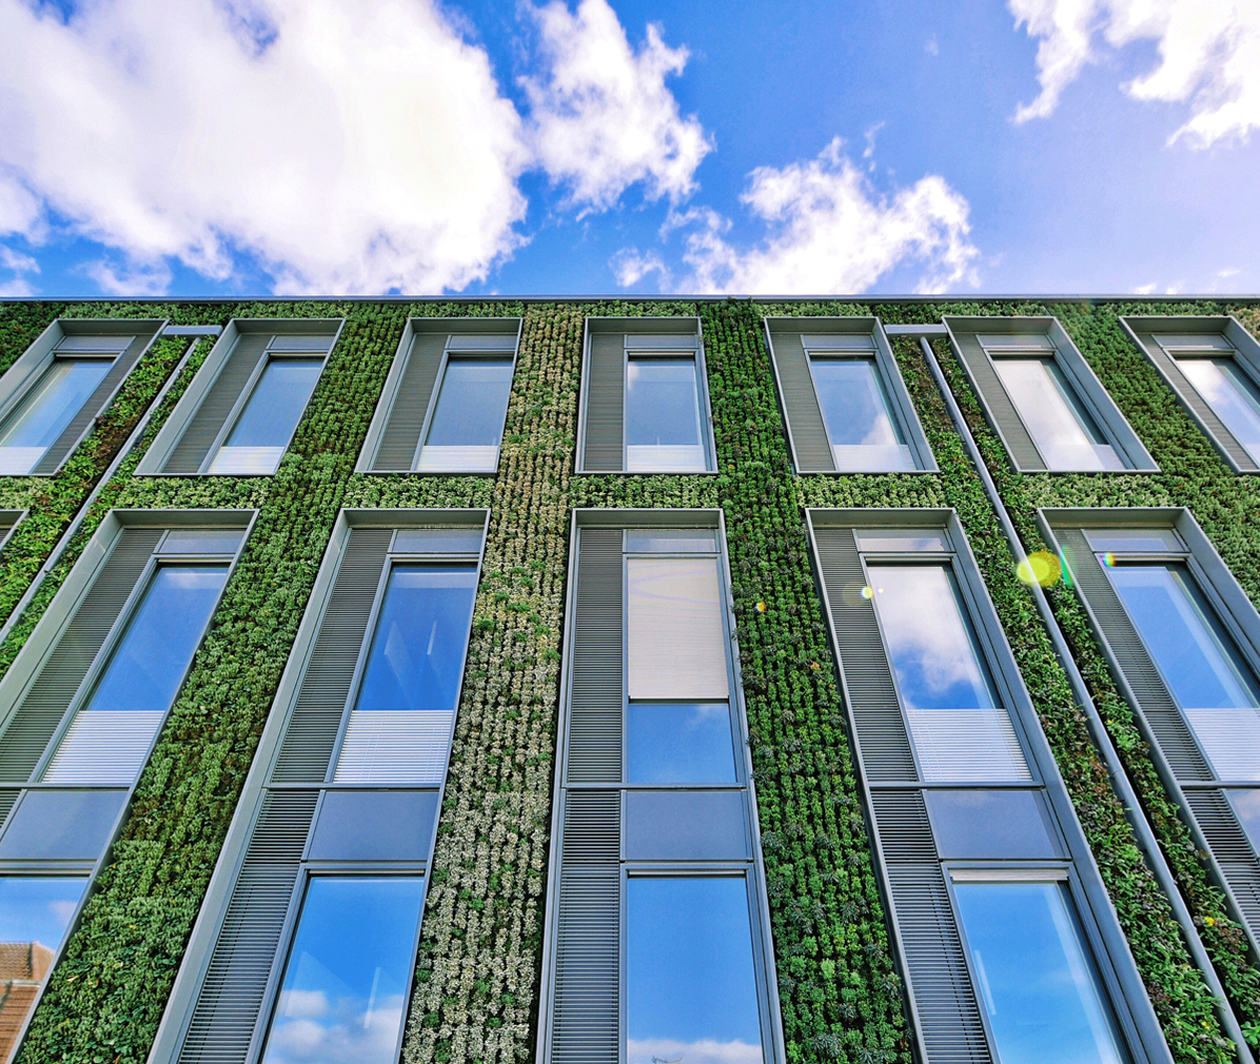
[(1195, 657), (679, 743), (662, 405), (48, 408), (1247, 807), (691, 989), (1036, 981), (37, 909), (471, 403), (276, 403), (930, 642), (854, 405), (1231, 394), (150, 660), (346, 981), (61, 825), (1065, 433), (418, 647)]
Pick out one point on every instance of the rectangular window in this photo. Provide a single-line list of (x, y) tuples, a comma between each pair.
[(47, 409), (1232, 395), (467, 420), (1042, 397), (663, 420), (265, 424), (858, 415)]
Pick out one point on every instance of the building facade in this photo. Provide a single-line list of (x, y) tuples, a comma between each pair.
[(626, 682)]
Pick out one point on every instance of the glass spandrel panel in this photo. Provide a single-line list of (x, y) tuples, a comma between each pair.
[(467, 422), (265, 425), (858, 416), (671, 742), (1198, 661), (1035, 978), (348, 972), (691, 988), (662, 415), (417, 650), (148, 665), (1064, 432), (1231, 394), (675, 639), (47, 410), (35, 912), (61, 825)]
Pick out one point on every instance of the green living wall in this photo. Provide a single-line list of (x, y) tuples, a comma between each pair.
[(477, 977)]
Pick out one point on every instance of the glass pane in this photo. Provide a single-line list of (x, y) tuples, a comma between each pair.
[(61, 825), (679, 743), (1135, 540), (1037, 982), (266, 423), (1246, 805), (691, 988), (1231, 395), (346, 980), (471, 403), (685, 825), (1062, 429), (907, 540), (35, 913), (858, 416), (374, 826), (931, 643), (150, 660), (976, 824), (48, 408), (670, 541), (418, 647), (662, 415)]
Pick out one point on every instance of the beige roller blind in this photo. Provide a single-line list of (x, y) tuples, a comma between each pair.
[(676, 643)]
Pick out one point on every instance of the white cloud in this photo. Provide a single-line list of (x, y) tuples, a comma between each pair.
[(18, 264), (630, 266), (701, 1051), (346, 148), (828, 231), (130, 278), (602, 118), (1209, 57)]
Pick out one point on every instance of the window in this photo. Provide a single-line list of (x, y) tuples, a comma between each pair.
[(1184, 643), (645, 406), (658, 946), (846, 407), (52, 394), (8, 522), (241, 410), (84, 702), (445, 402), (341, 808), (1011, 950), (1213, 366), (1042, 398)]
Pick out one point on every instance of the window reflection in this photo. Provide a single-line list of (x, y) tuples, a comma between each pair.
[(662, 415), (858, 416), (269, 417), (679, 743), (690, 986), (467, 420), (349, 970), (1231, 394), (1034, 976), (47, 410)]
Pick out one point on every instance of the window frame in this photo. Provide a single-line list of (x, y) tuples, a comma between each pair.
[(1144, 331), (901, 409), (964, 335), (9, 521)]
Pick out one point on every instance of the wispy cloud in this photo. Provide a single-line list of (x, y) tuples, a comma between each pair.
[(18, 265), (1209, 57)]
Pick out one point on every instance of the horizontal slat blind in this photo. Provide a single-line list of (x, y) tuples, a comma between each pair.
[(605, 401), (325, 687), (45, 703), (401, 437), (800, 400), (595, 702), (104, 747), (956, 745), (216, 404), (881, 730), (395, 746), (676, 640), (236, 979), (1005, 417)]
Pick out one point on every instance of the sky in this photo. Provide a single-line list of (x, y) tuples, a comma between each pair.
[(319, 147)]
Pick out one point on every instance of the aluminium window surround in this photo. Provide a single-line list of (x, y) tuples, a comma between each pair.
[(318, 894), (84, 701), (54, 392), (445, 400), (657, 942), (1183, 641), (242, 408), (1213, 366), (1043, 399), (845, 404), (645, 400), (1009, 944)]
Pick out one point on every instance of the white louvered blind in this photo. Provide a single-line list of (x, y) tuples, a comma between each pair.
[(395, 746), (676, 642), (104, 746)]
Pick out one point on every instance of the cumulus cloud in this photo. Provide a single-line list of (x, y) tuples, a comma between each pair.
[(344, 147), (1209, 57), (17, 264), (602, 118), (826, 229)]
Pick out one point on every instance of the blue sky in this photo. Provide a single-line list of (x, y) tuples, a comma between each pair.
[(218, 147)]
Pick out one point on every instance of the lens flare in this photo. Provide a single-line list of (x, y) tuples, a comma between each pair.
[(1040, 567), (868, 592)]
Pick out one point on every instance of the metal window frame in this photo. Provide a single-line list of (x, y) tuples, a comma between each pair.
[(901, 408), (648, 327), (207, 376), (458, 330), (9, 521), (1076, 371)]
